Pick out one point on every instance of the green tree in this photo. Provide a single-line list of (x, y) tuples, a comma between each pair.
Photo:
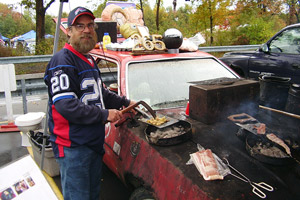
[(158, 3), (149, 18), (13, 23), (179, 19), (40, 11), (46, 45), (254, 23), (49, 25), (293, 10), (209, 14)]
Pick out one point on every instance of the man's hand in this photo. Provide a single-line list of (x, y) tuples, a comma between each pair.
[(131, 103), (114, 115)]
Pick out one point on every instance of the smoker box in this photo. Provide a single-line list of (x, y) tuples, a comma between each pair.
[(213, 102)]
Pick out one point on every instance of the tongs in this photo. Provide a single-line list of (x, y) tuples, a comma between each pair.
[(169, 122), (129, 108), (256, 187), (246, 122), (134, 106)]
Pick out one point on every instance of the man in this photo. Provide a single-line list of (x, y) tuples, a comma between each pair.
[(79, 108)]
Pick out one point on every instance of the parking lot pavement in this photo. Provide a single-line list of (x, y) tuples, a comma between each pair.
[(11, 148), (10, 142)]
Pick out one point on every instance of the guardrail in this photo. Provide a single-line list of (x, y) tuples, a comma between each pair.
[(229, 48), (46, 58), (33, 84), (25, 59)]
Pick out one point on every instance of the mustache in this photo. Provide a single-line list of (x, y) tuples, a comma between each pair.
[(86, 35)]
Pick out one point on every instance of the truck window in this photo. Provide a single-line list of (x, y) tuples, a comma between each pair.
[(165, 83), (106, 64), (287, 42)]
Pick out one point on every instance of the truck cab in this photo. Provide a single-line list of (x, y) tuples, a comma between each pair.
[(277, 57)]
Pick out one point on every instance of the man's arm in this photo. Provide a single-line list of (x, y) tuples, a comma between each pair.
[(79, 113)]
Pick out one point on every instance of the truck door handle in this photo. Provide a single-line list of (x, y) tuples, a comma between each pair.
[(296, 66)]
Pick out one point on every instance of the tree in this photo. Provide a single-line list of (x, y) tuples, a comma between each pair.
[(149, 18), (174, 5), (40, 10), (157, 14), (294, 11), (50, 26), (179, 20), (210, 13), (13, 23), (142, 9), (252, 23)]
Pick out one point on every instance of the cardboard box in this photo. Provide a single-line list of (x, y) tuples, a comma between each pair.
[(210, 103)]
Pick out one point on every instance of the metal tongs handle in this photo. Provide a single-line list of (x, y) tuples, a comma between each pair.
[(152, 112), (245, 179), (134, 106), (254, 185), (257, 191), (264, 186)]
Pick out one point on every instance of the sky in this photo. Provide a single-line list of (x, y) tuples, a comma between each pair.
[(90, 4)]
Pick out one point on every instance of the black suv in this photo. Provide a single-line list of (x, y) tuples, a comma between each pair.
[(280, 56)]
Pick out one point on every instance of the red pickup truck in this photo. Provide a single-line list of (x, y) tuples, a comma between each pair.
[(158, 169)]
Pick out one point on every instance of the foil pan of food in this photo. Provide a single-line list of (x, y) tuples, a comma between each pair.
[(176, 133), (267, 151)]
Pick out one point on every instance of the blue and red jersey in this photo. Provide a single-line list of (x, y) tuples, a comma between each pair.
[(78, 101)]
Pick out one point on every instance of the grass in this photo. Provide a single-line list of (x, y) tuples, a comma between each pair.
[(30, 68)]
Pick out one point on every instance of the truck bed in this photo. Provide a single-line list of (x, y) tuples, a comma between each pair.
[(222, 140)]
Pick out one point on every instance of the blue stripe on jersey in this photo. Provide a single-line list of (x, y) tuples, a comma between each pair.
[(67, 95), (61, 66), (89, 70), (62, 97), (57, 67)]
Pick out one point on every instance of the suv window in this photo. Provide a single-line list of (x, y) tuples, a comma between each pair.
[(286, 42)]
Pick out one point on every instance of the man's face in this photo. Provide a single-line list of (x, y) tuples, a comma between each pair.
[(82, 40)]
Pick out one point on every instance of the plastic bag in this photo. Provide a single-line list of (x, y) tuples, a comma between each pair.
[(187, 45), (192, 43), (197, 39), (223, 169)]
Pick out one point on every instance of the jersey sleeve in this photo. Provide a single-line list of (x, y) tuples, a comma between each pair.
[(78, 113), (114, 101), (61, 79)]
